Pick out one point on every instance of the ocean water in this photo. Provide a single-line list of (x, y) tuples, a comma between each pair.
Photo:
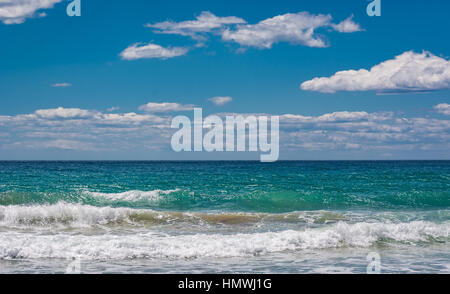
[(224, 217)]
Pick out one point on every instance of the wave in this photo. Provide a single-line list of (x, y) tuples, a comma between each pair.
[(133, 195), (154, 245), (259, 201), (64, 214), (86, 197)]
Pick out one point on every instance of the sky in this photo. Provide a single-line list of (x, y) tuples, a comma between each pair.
[(105, 85)]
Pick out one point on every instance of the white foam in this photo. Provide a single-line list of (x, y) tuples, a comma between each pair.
[(133, 195), (148, 244), (60, 214)]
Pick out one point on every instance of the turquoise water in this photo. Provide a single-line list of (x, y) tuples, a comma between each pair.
[(224, 216)]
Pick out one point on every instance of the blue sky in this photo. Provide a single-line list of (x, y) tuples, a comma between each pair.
[(78, 65)]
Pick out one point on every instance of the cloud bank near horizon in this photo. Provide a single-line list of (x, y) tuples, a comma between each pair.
[(75, 129)]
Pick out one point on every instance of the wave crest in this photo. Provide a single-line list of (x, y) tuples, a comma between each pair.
[(160, 245), (133, 195)]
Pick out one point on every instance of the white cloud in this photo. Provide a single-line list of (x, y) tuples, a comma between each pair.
[(354, 131), (344, 119), (73, 116), (61, 85), (83, 130), (347, 26), (221, 100), (339, 116), (64, 113), (138, 51), (130, 118), (362, 132), (165, 107), (443, 108), (16, 11), (297, 28), (206, 22), (409, 71)]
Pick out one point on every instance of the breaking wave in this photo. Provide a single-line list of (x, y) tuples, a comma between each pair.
[(148, 245), (78, 215), (133, 195), (28, 232)]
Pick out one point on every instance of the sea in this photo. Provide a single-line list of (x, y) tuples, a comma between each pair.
[(224, 217)]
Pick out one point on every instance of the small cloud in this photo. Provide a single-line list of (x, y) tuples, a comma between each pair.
[(443, 108), (61, 85), (220, 101), (165, 107), (347, 26), (138, 51), (114, 108)]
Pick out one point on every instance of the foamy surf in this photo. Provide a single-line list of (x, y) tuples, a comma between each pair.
[(40, 231), (206, 217), (133, 195), (63, 214), (78, 215), (154, 244)]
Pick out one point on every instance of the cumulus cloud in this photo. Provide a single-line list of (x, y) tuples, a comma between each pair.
[(365, 132), (339, 116), (61, 85), (347, 26), (206, 22), (64, 113), (443, 108), (407, 72), (295, 28), (138, 51), (83, 130), (16, 11), (129, 118), (220, 100), (165, 107), (361, 131)]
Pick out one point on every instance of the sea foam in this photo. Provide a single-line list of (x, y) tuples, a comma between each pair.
[(150, 244), (133, 195)]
